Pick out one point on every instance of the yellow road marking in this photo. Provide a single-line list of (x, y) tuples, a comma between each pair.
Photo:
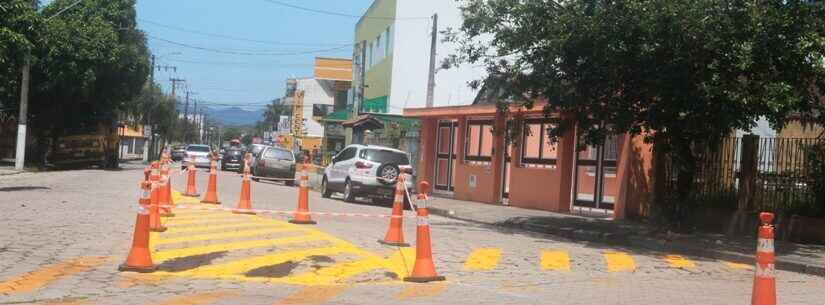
[(555, 260), (37, 279), (402, 261), (201, 217), (65, 302), (165, 255), (196, 298), (421, 291), (233, 270), (335, 273), (619, 261), (678, 261), (222, 235), (483, 259), (235, 219), (313, 295), (739, 266), (220, 227)]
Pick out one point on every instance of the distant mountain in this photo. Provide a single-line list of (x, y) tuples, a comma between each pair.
[(235, 115)]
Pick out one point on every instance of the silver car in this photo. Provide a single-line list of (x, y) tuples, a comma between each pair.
[(274, 162), (199, 152), (366, 171)]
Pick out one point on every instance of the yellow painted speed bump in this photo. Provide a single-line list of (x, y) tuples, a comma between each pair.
[(678, 261), (165, 255), (222, 235), (619, 261), (39, 278), (483, 259), (555, 260), (738, 266)]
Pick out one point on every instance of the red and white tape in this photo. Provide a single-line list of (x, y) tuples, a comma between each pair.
[(278, 212)]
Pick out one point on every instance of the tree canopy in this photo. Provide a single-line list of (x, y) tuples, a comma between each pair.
[(679, 72)]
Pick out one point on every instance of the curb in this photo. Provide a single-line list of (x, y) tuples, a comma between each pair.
[(648, 243)]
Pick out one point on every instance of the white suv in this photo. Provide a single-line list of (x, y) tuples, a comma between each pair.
[(366, 171)]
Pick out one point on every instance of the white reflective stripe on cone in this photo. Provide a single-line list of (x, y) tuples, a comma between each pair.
[(399, 197), (765, 245), (768, 271), (142, 210), (423, 221), (304, 183)]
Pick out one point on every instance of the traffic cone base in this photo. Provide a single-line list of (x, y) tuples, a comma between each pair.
[(168, 214), (211, 202), (425, 279), (191, 195), (158, 229), (395, 244), (149, 269), (302, 222)]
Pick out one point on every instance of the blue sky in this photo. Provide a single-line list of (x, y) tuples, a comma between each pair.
[(238, 79)]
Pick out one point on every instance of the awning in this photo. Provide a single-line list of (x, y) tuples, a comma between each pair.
[(363, 122)]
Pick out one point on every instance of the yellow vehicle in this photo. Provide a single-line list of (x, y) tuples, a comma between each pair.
[(97, 147)]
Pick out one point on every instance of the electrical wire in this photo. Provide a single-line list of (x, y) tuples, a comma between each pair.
[(181, 29), (251, 53), (258, 64), (331, 13)]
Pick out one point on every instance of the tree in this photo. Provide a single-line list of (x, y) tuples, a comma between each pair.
[(681, 73), (19, 25), (273, 112)]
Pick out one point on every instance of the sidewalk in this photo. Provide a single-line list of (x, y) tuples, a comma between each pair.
[(8, 170), (809, 259)]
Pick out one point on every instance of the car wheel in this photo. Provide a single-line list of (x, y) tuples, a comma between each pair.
[(292, 183), (349, 196), (325, 191), (389, 172), (256, 179)]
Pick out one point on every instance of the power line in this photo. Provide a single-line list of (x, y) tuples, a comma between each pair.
[(256, 64), (252, 53), (181, 29), (313, 10)]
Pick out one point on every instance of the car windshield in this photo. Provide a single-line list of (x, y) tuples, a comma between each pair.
[(198, 148), (257, 148), (385, 156), (279, 154), (234, 152)]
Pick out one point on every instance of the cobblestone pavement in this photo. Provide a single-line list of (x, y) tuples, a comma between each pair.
[(62, 235)]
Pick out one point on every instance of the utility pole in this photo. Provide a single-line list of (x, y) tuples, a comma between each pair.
[(431, 76), (20, 150), (186, 116), (175, 85)]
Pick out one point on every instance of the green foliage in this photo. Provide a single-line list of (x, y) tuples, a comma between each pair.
[(19, 25), (682, 73)]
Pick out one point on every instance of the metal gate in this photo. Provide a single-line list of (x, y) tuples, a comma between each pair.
[(446, 151), (596, 184)]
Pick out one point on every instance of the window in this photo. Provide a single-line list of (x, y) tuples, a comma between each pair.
[(321, 110), (384, 156), (387, 41), (479, 141), (379, 49), (369, 55), (347, 154), (537, 150), (278, 154)]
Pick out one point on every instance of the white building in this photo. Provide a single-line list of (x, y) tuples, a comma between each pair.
[(392, 57)]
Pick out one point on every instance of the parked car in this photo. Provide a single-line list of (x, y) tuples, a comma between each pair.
[(178, 152), (274, 162), (365, 171), (232, 159), (198, 151)]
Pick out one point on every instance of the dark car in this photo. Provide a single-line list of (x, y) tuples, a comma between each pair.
[(255, 150), (232, 159), (275, 162), (178, 152)]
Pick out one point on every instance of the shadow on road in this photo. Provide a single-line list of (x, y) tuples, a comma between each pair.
[(23, 188)]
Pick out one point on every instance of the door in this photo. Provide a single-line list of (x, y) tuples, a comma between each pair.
[(446, 151), (341, 166), (595, 175)]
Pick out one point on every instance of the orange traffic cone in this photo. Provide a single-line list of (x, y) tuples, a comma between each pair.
[(302, 215), (164, 199), (155, 224), (424, 268), (245, 202), (145, 199), (140, 258), (211, 196), (191, 190), (146, 172), (764, 282), (395, 234)]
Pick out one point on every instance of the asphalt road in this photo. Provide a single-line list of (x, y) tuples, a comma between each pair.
[(62, 235)]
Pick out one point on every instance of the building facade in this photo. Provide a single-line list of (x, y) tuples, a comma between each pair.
[(465, 155), (392, 60)]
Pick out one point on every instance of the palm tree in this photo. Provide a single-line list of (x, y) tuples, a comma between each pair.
[(273, 112)]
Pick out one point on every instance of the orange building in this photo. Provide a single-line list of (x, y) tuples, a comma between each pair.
[(465, 155)]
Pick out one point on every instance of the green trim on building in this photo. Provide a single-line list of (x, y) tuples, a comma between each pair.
[(375, 105), (340, 115)]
